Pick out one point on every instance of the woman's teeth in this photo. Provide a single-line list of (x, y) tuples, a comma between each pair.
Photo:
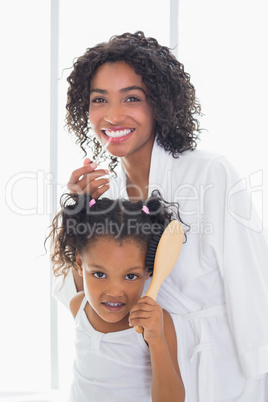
[(118, 133), (114, 304)]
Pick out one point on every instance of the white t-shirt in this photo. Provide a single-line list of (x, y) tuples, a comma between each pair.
[(112, 367)]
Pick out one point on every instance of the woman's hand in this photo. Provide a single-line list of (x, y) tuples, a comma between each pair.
[(88, 180), (148, 314)]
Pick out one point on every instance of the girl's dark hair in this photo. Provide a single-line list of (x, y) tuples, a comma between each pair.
[(77, 225), (171, 93)]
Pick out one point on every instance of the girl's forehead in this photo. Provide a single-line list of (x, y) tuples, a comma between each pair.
[(110, 253), (113, 242)]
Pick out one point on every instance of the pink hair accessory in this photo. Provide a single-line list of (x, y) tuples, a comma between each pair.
[(145, 209), (91, 202)]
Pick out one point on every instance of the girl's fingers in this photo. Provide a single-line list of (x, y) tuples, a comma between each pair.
[(152, 321), (145, 309), (139, 315), (147, 300)]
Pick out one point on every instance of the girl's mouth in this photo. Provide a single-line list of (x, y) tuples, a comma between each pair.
[(113, 306), (118, 135)]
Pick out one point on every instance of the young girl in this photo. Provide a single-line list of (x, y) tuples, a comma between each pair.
[(134, 91), (106, 241)]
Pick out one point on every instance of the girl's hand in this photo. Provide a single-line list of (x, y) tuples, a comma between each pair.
[(87, 180), (149, 315), (159, 333)]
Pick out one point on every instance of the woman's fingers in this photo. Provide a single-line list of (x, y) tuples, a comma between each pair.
[(99, 192), (87, 161), (88, 180), (76, 174), (93, 176)]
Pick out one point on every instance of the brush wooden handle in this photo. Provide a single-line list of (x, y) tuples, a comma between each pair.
[(166, 255)]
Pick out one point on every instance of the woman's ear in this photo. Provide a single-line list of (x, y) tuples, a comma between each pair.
[(78, 261)]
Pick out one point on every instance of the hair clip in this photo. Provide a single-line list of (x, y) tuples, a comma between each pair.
[(145, 209), (91, 202)]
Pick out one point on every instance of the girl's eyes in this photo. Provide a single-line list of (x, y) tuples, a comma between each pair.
[(131, 277), (99, 275)]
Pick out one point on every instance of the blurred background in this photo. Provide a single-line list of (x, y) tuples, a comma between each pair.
[(222, 44)]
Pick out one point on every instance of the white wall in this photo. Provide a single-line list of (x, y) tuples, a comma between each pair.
[(223, 44), (24, 284)]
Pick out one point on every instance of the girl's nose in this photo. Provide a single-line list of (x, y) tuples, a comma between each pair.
[(114, 290), (114, 114)]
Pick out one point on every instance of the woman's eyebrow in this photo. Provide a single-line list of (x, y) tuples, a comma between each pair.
[(100, 91), (130, 88)]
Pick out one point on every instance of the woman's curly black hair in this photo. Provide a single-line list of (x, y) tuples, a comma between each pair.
[(171, 93), (80, 222)]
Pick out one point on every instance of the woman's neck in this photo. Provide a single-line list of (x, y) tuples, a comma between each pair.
[(137, 170)]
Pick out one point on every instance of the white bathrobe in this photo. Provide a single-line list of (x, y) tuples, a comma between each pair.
[(217, 292)]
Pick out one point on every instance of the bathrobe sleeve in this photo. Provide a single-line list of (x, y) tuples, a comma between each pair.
[(240, 247), (63, 289)]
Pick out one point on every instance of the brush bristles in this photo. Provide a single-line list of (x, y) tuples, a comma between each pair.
[(150, 256)]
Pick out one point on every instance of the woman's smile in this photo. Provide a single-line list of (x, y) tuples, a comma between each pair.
[(117, 134)]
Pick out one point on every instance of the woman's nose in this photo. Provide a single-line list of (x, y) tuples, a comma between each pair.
[(114, 114)]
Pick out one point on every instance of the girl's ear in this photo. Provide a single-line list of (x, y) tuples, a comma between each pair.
[(78, 261), (147, 275)]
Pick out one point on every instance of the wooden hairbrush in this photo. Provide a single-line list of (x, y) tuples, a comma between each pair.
[(167, 253)]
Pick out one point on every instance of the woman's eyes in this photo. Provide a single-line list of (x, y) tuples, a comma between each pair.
[(129, 99), (98, 100), (132, 99)]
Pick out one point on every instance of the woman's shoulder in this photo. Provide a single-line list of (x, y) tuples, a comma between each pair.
[(200, 160), (197, 155), (201, 156)]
